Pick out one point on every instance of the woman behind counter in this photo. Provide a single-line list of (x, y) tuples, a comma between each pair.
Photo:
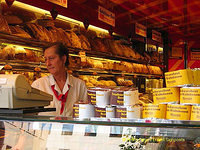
[(65, 88)]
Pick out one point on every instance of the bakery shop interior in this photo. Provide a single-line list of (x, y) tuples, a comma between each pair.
[(102, 60)]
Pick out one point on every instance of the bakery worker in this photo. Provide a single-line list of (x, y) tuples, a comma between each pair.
[(65, 88)]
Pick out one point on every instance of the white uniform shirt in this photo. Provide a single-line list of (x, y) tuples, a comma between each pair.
[(77, 91)]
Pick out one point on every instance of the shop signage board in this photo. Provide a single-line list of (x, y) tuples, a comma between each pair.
[(62, 3), (82, 55), (106, 16), (195, 55), (156, 36), (140, 30), (177, 52)]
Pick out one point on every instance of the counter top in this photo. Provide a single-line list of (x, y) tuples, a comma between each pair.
[(150, 122)]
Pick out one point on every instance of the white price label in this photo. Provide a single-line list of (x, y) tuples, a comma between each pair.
[(82, 55)]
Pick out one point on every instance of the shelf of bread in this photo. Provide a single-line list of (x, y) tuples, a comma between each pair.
[(41, 32), (19, 39), (93, 71), (20, 64), (13, 39), (93, 65), (102, 55), (30, 74), (16, 57), (125, 52), (29, 58)]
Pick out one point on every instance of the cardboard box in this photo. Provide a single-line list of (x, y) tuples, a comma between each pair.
[(179, 78), (154, 111), (190, 95), (166, 95), (178, 112)]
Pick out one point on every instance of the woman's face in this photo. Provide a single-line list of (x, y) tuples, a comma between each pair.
[(54, 63)]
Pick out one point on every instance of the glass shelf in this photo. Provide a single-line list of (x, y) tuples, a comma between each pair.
[(48, 132), (150, 122)]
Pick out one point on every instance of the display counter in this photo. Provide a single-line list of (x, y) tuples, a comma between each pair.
[(56, 133)]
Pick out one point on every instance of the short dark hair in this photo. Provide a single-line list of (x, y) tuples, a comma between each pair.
[(61, 50)]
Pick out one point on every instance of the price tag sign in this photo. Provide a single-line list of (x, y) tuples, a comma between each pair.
[(156, 36), (82, 55), (62, 3), (140, 30), (106, 16), (195, 55)]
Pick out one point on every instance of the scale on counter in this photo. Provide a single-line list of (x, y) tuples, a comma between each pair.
[(17, 96)]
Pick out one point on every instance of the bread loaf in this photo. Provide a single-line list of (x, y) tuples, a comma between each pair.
[(47, 34), (84, 42), (9, 52), (136, 68), (52, 35), (155, 70), (130, 52), (30, 55), (16, 30), (145, 69), (138, 56), (107, 43), (20, 53), (75, 41), (128, 67), (36, 31), (58, 35), (64, 37), (116, 50), (98, 45), (43, 33), (68, 43)]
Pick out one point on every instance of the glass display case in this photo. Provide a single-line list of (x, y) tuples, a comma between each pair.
[(58, 133)]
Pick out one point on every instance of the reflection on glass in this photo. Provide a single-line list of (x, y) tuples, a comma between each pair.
[(67, 129), (90, 130), (116, 131)]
